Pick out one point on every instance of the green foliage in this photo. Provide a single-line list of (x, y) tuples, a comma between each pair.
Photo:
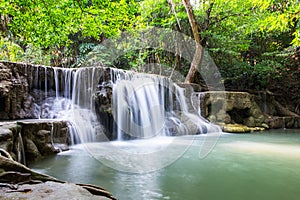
[(11, 51), (52, 24), (247, 39), (49, 23), (84, 49)]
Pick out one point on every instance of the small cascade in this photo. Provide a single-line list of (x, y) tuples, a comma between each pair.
[(63, 78), (55, 71), (20, 150), (52, 136), (73, 102), (283, 123), (67, 77), (74, 136), (46, 83), (36, 80), (196, 102), (147, 105), (139, 109), (85, 83)]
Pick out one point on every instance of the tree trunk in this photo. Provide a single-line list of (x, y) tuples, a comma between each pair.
[(198, 53)]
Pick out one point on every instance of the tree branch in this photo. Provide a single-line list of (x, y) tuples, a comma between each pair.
[(172, 7)]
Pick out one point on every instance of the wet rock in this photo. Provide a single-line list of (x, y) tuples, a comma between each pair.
[(49, 190), (9, 133), (41, 137), (230, 108), (33, 140), (191, 127), (239, 128), (23, 87), (250, 121), (235, 128), (31, 150), (283, 122), (103, 104), (19, 182), (15, 99)]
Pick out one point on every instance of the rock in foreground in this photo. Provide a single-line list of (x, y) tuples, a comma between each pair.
[(19, 182), (48, 190)]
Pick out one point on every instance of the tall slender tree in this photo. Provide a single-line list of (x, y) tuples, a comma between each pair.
[(198, 52)]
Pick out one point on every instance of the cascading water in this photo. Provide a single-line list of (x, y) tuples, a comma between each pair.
[(149, 105), (137, 106), (143, 105), (20, 149), (73, 102)]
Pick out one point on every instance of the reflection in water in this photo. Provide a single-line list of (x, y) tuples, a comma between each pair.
[(247, 166), (266, 149)]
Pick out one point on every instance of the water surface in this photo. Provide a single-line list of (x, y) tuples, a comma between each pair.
[(241, 166)]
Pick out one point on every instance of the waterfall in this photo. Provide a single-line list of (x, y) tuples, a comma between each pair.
[(37, 78), (147, 105), (20, 149), (55, 71), (46, 83), (139, 107), (74, 136), (143, 105), (73, 102)]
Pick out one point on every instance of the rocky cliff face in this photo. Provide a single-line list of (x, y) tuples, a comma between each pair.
[(15, 100), (21, 87)]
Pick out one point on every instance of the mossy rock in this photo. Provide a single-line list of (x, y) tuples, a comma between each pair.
[(235, 128), (239, 128)]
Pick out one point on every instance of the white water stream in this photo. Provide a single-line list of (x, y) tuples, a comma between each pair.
[(143, 105)]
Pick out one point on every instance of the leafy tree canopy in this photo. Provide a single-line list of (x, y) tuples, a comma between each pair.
[(51, 22), (248, 39)]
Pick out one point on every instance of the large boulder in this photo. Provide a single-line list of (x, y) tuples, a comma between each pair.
[(231, 108), (42, 138), (19, 182)]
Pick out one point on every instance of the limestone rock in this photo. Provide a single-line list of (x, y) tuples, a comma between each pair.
[(9, 132), (31, 150), (15, 100), (235, 128), (103, 104), (239, 128), (283, 122), (230, 108), (19, 182), (32, 140), (41, 137), (49, 190)]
